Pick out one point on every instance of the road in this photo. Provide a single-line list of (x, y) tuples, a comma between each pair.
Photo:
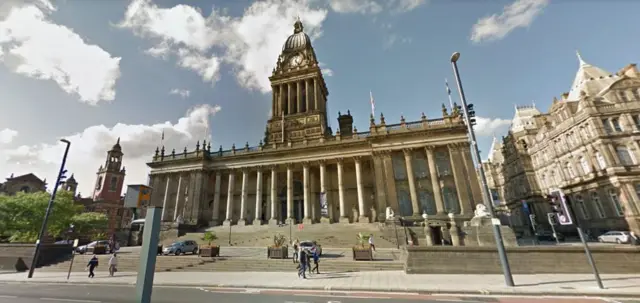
[(60, 293)]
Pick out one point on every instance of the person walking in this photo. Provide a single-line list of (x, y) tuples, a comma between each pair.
[(113, 265), (316, 259), (93, 263), (634, 239), (303, 264), (373, 246), (296, 245)]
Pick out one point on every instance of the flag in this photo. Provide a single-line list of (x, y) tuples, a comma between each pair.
[(373, 104), (446, 84)]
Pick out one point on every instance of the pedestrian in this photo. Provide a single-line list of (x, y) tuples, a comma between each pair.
[(303, 264), (373, 246), (296, 244), (113, 264), (93, 263), (309, 258), (316, 260)]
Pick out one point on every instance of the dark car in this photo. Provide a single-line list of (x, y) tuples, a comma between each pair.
[(548, 236)]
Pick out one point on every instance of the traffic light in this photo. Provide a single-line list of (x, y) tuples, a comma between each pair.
[(62, 177), (472, 114), (560, 207)]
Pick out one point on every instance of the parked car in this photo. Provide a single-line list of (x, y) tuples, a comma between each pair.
[(547, 235), (89, 247), (181, 247), (615, 236), (311, 246)]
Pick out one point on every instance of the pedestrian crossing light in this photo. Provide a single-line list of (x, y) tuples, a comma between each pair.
[(560, 207)]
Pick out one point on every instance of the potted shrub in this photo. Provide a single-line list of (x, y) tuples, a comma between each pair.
[(209, 250), (362, 251), (278, 250)]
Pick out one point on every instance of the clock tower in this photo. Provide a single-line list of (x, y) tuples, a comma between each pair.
[(299, 93)]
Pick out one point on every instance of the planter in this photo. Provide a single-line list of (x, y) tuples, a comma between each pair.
[(209, 251), (277, 252), (362, 253)]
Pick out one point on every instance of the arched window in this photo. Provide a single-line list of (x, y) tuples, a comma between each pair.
[(598, 205), (613, 196), (581, 207), (586, 168), (601, 161), (625, 156)]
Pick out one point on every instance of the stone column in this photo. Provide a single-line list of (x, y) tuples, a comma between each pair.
[(289, 103), (306, 196), (179, 199), (313, 196), (323, 191), (230, 191), (412, 182), (454, 231), (343, 210), (243, 197), (613, 155), (472, 172), (435, 181), (274, 102), (187, 214), (381, 193), (215, 216), (281, 103), (165, 205), (273, 219), (459, 178), (290, 218), (258, 213), (363, 218), (390, 182), (315, 93), (307, 100), (194, 214), (299, 96)]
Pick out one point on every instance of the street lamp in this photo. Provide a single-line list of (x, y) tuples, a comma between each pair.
[(43, 229), (486, 193)]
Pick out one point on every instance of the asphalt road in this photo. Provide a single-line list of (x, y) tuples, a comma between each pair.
[(61, 293)]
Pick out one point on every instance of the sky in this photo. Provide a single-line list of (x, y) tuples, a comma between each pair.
[(92, 71)]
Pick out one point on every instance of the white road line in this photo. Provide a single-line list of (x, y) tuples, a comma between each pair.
[(348, 297), (8, 297), (69, 300)]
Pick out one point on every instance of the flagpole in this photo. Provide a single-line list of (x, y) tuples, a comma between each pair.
[(448, 93)]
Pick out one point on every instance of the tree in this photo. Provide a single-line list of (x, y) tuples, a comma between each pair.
[(90, 223), (22, 215)]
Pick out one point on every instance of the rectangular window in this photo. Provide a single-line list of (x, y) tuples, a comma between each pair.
[(616, 124), (616, 202), (581, 207), (606, 126), (595, 199), (636, 122)]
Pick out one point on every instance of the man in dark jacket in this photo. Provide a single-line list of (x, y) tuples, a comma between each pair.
[(303, 263), (93, 263)]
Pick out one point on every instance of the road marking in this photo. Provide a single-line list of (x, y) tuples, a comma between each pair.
[(338, 296), (8, 297), (69, 300)]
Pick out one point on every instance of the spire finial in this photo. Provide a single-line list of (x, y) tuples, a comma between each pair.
[(118, 142), (297, 26), (580, 58)]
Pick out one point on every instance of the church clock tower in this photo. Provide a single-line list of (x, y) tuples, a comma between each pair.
[(110, 177), (299, 93)]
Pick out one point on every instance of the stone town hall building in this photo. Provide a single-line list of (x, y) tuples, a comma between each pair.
[(412, 167)]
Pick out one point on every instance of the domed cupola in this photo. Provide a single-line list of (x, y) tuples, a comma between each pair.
[(298, 41)]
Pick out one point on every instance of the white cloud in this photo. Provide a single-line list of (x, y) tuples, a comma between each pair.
[(89, 147), (250, 43), (327, 72), (491, 126), (374, 6), (184, 93), (7, 135), (520, 13), (36, 47)]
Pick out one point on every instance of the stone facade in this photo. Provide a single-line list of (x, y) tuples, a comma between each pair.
[(586, 145), (416, 167), (25, 183)]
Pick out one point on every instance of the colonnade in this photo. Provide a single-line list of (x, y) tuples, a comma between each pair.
[(296, 97)]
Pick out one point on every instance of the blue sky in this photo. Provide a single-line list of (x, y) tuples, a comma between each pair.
[(93, 70)]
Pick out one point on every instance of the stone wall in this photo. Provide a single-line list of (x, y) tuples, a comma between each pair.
[(18, 256), (523, 260)]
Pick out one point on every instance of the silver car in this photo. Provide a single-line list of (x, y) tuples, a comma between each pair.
[(615, 236), (311, 246), (181, 247)]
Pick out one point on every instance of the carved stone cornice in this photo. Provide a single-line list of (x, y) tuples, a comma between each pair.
[(340, 161), (306, 164), (430, 148), (357, 159), (407, 152)]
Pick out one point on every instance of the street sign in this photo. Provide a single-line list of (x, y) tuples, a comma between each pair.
[(137, 196), (75, 243)]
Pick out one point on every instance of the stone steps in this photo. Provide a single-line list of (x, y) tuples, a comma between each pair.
[(196, 264)]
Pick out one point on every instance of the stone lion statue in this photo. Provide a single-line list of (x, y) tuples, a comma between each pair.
[(179, 219), (481, 211)]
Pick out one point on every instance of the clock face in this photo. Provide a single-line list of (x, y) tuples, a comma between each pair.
[(296, 60)]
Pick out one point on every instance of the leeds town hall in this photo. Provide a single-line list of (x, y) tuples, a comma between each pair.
[(303, 171)]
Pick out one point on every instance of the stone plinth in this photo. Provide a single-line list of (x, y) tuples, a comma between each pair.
[(479, 232)]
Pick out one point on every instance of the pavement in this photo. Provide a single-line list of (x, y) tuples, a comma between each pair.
[(619, 286), (25, 293)]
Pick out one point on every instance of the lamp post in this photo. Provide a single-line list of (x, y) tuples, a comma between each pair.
[(486, 193), (43, 229)]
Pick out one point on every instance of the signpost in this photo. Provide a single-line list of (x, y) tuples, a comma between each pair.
[(73, 256), (551, 217), (561, 205)]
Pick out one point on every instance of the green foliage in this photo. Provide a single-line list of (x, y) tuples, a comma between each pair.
[(209, 237), (363, 239), (21, 215), (99, 236), (90, 223), (279, 240)]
